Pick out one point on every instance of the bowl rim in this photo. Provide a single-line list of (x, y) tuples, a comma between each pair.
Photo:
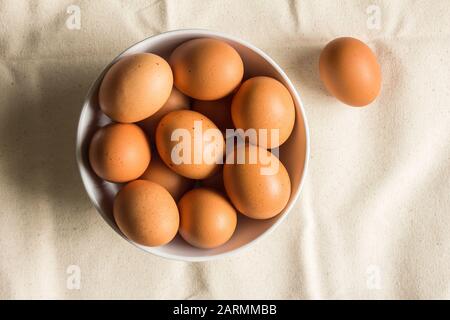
[(202, 33)]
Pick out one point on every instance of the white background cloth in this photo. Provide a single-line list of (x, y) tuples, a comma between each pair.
[(373, 218)]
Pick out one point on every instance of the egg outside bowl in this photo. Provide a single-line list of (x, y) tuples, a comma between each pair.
[(294, 153)]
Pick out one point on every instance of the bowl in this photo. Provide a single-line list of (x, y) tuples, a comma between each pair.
[(294, 153)]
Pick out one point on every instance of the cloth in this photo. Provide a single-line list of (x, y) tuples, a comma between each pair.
[(373, 217)]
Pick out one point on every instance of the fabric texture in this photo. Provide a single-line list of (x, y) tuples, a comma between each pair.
[(373, 217)]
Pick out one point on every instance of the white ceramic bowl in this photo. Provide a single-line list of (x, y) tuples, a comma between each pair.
[(294, 153)]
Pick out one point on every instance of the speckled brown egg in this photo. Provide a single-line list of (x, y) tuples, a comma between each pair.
[(219, 111), (207, 218), (146, 213), (190, 144), (135, 87), (206, 69), (119, 152), (159, 173), (176, 101), (259, 185), (264, 103), (350, 71)]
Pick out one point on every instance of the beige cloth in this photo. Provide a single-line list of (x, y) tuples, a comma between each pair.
[(373, 218)]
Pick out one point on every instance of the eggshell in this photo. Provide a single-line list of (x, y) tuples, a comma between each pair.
[(159, 173), (350, 71), (258, 187), (264, 103), (176, 101), (206, 69), (219, 111), (119, 152), (135, 87), (189, 164), (146, 213), (207, 219)]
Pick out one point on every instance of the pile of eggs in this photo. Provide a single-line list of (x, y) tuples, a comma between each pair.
[(148, 99)]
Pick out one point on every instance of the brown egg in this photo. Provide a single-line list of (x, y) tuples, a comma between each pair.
[(258, 187), (264, 103), (146, 213), (350, 71), (207, 219), (219, 111), (119, 152), (206, 69), (176, 101), (135, 87), (159, 173), (190, 144)]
